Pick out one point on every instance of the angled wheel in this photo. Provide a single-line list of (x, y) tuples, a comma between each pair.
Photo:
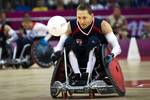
[(114, 72), (116, 77), (42, 54)]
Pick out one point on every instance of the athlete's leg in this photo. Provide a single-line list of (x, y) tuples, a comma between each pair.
[(91, 61), (74, 62), (70, 46), (92, 43)]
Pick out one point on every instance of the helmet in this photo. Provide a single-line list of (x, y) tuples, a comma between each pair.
[(57, 25)]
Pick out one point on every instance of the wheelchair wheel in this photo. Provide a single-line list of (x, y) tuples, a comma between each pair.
[(28, 59), (26, 65), (54, 93), (41, 54), (55, 89), (117, 77), (114, 72)]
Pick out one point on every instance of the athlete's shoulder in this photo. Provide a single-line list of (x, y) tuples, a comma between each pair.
[(73, 21), (39, 24), (73, 24), (98, 20)]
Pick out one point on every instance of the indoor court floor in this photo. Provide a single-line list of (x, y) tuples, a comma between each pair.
[(34, 83)]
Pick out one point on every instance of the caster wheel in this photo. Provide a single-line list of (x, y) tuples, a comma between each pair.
[(64, 95), (70, 93), (91, 94)]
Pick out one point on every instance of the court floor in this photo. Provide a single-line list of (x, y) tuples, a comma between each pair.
[(34, 83)]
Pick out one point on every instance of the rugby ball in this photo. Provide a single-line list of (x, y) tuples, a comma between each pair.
[(57, 25)]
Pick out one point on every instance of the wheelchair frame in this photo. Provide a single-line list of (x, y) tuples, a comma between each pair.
[(60, 80)]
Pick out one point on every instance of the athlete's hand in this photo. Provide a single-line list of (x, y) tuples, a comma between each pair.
[(109, 58), (8, 42), (56, 55)]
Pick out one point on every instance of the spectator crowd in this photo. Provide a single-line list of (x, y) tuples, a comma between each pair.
[(45, 5)]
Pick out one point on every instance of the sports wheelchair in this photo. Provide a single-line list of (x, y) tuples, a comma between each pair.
[(8, 56), (106, 78)]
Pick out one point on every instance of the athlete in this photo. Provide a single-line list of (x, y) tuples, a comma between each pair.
[(29, 31), (83, 35)]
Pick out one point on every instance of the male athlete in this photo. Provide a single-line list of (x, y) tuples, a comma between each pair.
[(83, 35)]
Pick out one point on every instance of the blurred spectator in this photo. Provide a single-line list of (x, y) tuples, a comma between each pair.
[(60, 5), (103, 2), (71, 4), (22, 6), (83, 1), (124, 3), (51, 3), (95, 5), (8, 7), (2, 18), (75, 3), (118, 23), (40, 6), (111, 3), (3, 21), (138, 3), (146, 33)]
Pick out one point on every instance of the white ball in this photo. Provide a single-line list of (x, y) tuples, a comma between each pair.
[(57, 25)]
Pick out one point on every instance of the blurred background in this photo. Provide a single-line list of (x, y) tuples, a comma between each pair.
[(128, 18)]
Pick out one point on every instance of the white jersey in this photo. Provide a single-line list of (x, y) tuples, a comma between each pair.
[(13, 36), (38, 30)]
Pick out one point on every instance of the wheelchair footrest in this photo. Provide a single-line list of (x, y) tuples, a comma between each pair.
[(99, 85)]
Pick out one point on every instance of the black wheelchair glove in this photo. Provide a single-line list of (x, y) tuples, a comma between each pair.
[(109, 58), (56, 55)]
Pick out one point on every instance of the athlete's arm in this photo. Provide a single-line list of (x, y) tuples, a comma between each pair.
[(10, 33), (111, 38), (62, 39)]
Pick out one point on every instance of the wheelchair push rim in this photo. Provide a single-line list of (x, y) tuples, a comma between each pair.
[(114, 72)]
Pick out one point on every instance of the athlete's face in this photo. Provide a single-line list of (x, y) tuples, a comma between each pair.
[(84, 18), (27, 25)]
